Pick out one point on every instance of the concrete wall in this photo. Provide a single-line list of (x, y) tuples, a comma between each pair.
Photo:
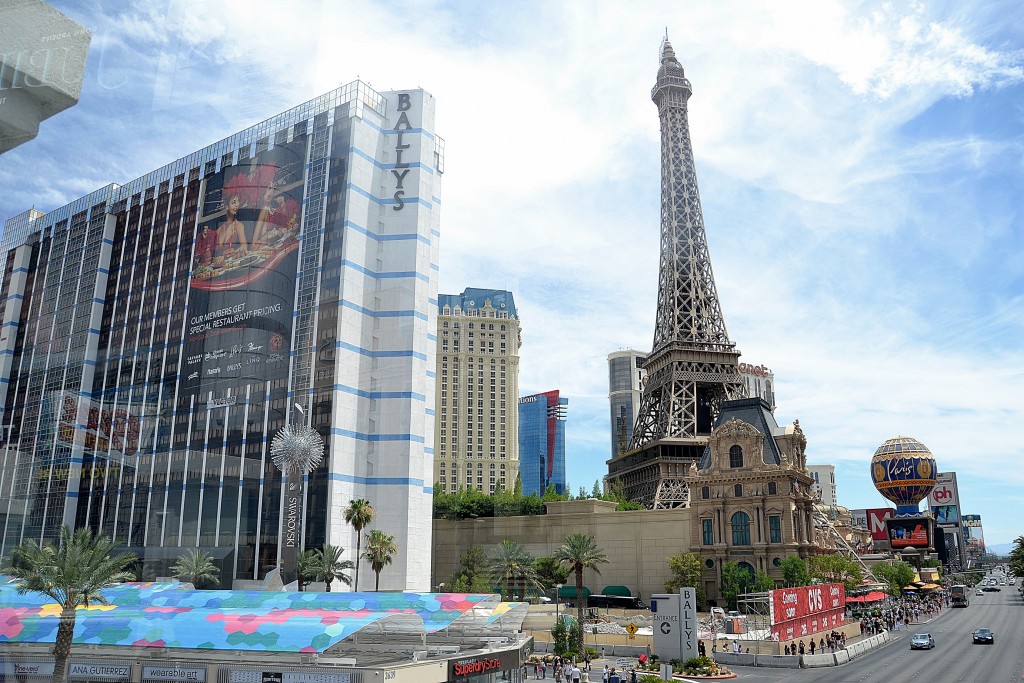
[(637, 542)]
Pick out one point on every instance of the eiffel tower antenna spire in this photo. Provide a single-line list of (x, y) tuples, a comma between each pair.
[(693, 366)]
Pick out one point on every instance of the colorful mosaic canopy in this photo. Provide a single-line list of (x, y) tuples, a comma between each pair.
[(167, 615)]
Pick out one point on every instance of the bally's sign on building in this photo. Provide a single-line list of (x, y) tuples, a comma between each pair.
[(403, 179)]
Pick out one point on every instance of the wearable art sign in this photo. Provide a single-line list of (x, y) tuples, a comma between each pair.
[(805, 610)]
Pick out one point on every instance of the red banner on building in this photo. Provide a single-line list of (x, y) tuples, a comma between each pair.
[(807, 626), (788, 604), (805, 610)]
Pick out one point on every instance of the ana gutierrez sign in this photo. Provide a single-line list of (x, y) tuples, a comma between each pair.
[(798, 612)]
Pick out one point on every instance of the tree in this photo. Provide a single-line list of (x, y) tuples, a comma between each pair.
[(687, 570), (735, 582), (328, 565), (762, 583), (550, 572), (836, 569), (196, 566), (1017, 557), (579, 552), (794, 571), (380, 550), (895, 576), (305, 568), (72, 574), (510, 565), (472, 574), (358, 515)]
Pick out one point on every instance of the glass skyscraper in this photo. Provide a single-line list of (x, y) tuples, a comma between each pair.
[(157, 335), (542, 442)]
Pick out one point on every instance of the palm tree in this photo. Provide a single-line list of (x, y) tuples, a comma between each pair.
[(579, 552), (511, 564), (306, 568), (359, 514), (380, 549), (72, 574), (329, 565), (197, 567)]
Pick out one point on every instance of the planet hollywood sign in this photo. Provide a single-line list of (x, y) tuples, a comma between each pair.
[(757, 370)]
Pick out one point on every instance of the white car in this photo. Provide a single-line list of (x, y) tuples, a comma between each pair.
[(922, 641)]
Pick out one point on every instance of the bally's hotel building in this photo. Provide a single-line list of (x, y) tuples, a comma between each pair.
[(157, 335)]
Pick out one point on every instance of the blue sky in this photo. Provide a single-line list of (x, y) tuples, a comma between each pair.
[(860, 167)]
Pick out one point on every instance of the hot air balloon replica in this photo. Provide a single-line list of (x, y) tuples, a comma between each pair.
[(903, 470)]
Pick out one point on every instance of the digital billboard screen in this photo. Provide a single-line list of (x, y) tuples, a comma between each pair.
[(946, 514), (242, 286), (910, 532)]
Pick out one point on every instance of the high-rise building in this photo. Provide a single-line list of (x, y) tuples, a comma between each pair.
[(626, 377), (542, 442), (824, 486), (476, 420), (158, 335), (693, 366)]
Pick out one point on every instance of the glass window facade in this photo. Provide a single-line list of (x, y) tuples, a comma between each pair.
[(542, 442), (707, 530), (775, 529)]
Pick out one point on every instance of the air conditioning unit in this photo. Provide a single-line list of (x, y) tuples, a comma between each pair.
[(419, 655)]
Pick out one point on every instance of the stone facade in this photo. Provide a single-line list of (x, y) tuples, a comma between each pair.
[(750, 503)]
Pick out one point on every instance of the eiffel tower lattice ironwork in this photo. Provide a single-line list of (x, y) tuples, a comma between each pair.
[(693, 365)]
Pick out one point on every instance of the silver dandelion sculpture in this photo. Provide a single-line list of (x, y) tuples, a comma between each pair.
[(297, 449)]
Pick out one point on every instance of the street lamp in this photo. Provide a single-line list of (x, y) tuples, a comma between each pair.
[(558, 590)]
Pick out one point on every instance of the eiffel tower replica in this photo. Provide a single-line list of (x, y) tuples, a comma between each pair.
[(693, 366)]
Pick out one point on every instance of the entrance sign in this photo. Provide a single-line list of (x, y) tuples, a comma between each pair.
[(675, 624)]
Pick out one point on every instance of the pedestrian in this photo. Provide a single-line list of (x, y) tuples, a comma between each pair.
[(614, 677), (786, 650), (585, 676), (812, 646), (543, 669), (605, 675), (586, 660), (821, 646), (701, 650), (632, 675), (801, 648)]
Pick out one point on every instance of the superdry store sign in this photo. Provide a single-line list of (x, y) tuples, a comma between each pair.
[(798, 612), (462, 669)]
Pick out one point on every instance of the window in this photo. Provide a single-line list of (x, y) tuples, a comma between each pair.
[(740, 529), (705, 492), (735, 457), (707, 532), (773, 488), (738, 490), (774, 529)]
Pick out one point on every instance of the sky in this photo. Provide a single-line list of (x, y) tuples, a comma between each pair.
[(860, 167)]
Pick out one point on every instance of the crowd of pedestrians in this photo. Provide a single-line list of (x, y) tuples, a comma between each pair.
[(830, 642), (563, 670)]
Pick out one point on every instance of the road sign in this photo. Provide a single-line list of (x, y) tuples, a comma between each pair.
[(631, 629)]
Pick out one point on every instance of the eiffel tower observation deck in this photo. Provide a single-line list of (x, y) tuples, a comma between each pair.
[(693, 366)]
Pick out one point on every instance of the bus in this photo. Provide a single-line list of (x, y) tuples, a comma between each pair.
[(961, 595)]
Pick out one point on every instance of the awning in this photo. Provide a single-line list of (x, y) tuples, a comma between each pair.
[(873, 596), (569, 592)]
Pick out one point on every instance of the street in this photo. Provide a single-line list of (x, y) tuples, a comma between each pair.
[(954, 658)]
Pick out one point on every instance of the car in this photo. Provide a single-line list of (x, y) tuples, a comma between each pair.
[(979, 592), (922, 641), (991, 589), (983, 636)]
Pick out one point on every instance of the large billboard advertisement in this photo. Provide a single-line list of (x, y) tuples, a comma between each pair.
[(909, 532), (804, 610), (106, 429), (946, 515), (242, 289), (876, 522)]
